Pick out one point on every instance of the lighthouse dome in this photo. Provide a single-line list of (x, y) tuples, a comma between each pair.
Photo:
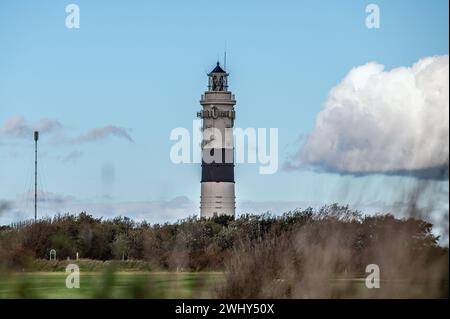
[(218, 79), (218, 69)]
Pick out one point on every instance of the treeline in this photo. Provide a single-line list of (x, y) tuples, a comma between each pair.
[(205, 244)]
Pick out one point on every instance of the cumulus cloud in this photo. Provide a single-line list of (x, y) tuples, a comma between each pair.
[(102, 133), (379, 121)]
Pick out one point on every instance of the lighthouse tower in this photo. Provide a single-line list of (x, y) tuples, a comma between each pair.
[(217, 184)]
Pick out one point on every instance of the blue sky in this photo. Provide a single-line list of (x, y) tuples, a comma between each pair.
[(141, 65)]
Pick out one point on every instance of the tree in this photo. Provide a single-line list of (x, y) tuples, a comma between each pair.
[(120, 247)]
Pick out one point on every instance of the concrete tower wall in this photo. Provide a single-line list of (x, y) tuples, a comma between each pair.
[(217, 198), (217, 184)]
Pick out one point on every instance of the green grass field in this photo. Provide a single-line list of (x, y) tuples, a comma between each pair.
[(110, 284), (140, 284)]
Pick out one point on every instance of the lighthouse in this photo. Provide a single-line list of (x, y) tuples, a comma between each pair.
[(217, 183)]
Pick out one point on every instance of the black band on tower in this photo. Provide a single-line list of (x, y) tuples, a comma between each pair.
[(221, 170), (217, 172)]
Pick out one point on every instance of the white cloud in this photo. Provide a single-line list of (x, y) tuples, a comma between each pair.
[(378, 121), (49, 204), (102, 133), (273, 207), (47, 125), (18, 127)]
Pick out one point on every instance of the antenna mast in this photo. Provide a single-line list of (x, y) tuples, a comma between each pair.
[(36, 138), (225, 58)]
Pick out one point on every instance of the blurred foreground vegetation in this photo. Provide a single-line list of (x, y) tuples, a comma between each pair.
[(301, 254)]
